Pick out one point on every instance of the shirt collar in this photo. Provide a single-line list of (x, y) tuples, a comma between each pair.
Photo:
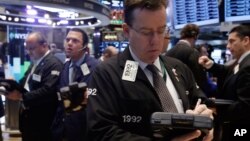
[(78, 62), (243, 56), (142, 64)]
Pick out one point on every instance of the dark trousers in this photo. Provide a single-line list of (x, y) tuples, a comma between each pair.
[(1, 134), (46, 136)]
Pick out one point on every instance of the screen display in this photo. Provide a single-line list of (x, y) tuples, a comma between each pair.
[(237, 10), (113, 4), (200, 12)]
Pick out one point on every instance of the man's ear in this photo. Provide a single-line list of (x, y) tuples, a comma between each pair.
[(246, 40), (125, 30)]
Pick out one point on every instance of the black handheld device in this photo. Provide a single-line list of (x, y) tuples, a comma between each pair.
[(10, 85), (73, 96), (181, 121)]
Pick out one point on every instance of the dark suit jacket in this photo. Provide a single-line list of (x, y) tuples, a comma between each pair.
[(2, 76), (72, 126), (41, 102), (235, 87), (190, 56), (121, 110)]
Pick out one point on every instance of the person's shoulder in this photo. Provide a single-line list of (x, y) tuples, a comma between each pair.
[(92, 59), (109, 64), (50, 59), (175, 63), (173, 60)]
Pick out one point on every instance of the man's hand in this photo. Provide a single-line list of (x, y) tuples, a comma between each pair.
[(85, 98), (14, 95), (205, 62), (201, 109)]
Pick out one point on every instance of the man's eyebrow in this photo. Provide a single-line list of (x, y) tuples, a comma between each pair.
[(145, 28)]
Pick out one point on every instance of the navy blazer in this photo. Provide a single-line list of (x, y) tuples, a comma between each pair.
[(121, 110), (64, 78), (72, 126)]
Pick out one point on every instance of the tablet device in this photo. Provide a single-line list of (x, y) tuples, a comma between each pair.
[(223, 102)]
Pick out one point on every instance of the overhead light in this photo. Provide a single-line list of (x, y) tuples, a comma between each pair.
[(64, 22), (66, 14), (49, 17), (46, 16), (32, 12), (7, 12), (53, 24), (50, 9), (106, 2), (77, 23), (42, 20), (28, 7), (3, 17), (16, 19), (49, 22), (30, 20)]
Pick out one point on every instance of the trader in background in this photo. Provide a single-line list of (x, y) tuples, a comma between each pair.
[(70, 124), (186, 52), (108, 52), (166, 41), (124, 90), (236, 84), (3, 62), (39, 102)]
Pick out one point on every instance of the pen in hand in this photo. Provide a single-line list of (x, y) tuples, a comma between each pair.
[(197, 103)]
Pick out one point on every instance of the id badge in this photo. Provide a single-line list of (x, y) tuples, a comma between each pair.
[(130, 71)]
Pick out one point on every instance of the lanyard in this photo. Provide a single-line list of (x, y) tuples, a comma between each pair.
[(163, 71)]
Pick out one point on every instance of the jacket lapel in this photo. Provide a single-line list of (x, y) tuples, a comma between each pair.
[(172, 70)]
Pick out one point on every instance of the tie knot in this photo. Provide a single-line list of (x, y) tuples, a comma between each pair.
[(152, 68), (74, 65)]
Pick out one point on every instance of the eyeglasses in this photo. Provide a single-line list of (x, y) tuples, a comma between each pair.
[(149, 33), (74, 40), (167, 31)]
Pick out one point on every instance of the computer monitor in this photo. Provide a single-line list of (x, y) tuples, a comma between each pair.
[(237, 10), (199, 12)]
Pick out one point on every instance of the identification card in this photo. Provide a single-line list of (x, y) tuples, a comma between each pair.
[(130, 71), (36, 77), (54, 72), (85, 69)]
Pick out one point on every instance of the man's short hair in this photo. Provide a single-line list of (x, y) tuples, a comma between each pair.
[(241, 30), (85, 37), (39, 36), (190, 31), (131, 5)]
